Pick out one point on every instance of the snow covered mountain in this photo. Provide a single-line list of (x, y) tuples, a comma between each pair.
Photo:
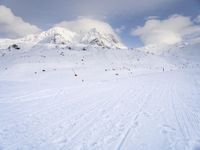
[(61, 36), (95, 38), (54, 35)]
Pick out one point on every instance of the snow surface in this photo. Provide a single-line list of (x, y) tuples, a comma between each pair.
[(56, 98)]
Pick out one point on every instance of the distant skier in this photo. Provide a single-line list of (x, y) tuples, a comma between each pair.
[(163, 69)]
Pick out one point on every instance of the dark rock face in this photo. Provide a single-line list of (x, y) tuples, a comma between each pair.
[(14, 46), (84, 49), (97, 42)]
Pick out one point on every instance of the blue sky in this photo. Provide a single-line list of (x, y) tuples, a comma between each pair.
[(120, 14)]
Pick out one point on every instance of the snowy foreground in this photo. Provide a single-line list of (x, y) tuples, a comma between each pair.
[(53, 98)]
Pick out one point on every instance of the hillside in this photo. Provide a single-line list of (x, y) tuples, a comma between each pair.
[(57, 93)]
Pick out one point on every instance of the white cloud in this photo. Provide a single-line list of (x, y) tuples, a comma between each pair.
[(197, 19), (120, 29), (85, 24), (152, 17), (12, 26), (169, 31)]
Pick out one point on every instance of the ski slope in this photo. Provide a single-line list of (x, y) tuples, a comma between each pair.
[(98, 99)]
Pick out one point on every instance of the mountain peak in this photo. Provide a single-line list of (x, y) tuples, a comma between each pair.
[(95, 38), (57, 35)]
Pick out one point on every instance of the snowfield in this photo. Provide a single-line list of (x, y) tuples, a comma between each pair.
[(53, 97)]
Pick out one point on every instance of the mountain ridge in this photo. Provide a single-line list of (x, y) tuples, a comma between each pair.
[(63, 36)]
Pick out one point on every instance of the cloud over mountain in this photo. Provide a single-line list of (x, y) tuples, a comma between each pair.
[(13, 26), (86, 24)]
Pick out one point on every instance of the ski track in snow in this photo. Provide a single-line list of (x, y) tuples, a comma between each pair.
[(155, 111)]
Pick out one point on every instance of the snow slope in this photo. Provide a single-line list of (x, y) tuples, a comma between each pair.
[(74, 99)]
